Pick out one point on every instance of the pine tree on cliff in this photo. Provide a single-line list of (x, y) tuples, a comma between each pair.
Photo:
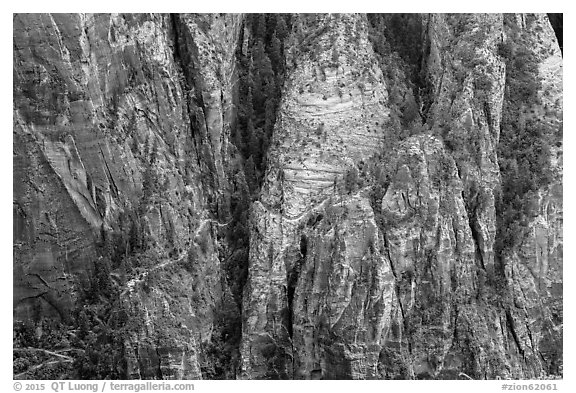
[(263, 77), (237, 139), (276, 52), (270, 119), (134, 238), (260, 22), (249, 138), (250, 173), (249, 104), (256, 146), (261, 72), (281, 27), (351, 180), (248, 130)]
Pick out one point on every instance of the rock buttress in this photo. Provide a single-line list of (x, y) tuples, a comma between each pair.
[(333, 101)]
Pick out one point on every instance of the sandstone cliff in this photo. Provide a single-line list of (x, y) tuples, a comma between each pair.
[(396, 206), (121, 126), (413, 284)]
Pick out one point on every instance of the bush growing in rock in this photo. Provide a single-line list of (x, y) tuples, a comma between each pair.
[(523, 151), (351, 180)]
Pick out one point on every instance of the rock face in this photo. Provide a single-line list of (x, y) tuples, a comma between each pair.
[(410, 285), (334, 99), (120, 122), (376, 250), (534, 267), (461, 102)]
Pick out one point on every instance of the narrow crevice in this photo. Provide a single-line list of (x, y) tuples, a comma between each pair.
[(398, 45), (512, 329), (261, 66), (292, 281), (489, 119), (222, 352), (181, 61), (176, 39), (476, 238), (402, 34), (159, 371), (530, 336), (397, 280), (455, 333), (387, 249), (113, 187), (424, 91)]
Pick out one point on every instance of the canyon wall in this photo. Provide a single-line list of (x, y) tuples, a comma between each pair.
[(409, 282), (406, 222), (121, 126)]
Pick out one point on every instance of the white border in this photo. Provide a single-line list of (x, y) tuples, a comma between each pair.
[(6, 383)]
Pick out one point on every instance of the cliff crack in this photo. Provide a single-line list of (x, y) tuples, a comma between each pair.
[(185, 86), (472, 210), (512, 329), (159, 361), (113, 187)]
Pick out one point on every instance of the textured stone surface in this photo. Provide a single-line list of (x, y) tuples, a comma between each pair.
[(534, 269), (393, 276), (459, 58), (327, 122), (334, 99), (96, 96), (419, 296)]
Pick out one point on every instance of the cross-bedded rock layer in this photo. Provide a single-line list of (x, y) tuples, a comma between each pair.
[(409, 287)]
